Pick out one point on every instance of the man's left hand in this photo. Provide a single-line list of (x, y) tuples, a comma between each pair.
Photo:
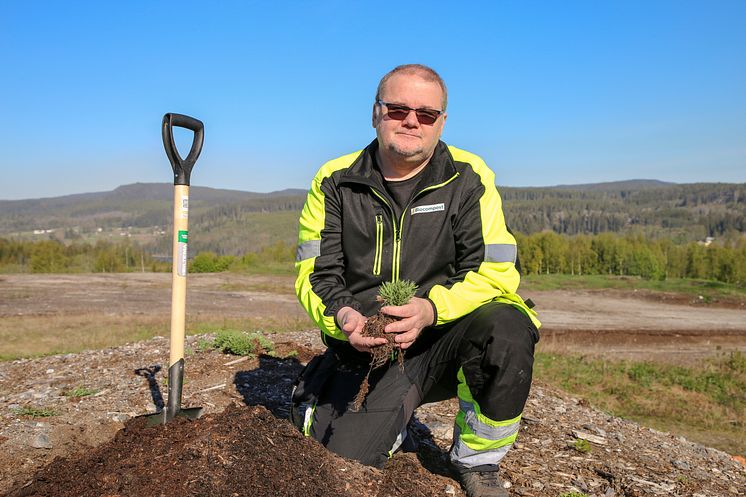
[(415, 316)]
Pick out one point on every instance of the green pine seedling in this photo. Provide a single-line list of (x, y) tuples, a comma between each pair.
[(392, 293), (397, 292)]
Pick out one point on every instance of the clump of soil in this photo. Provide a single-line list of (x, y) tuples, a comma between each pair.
[(380, 355), (393, 293), (241, 451)]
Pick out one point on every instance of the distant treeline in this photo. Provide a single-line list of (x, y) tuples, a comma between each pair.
[(540, 253), (227, 221), (681, 212), (53, 256), (279, 256), (632, 255)]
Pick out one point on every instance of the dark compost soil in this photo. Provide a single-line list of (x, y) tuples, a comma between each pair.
[(243, 451)]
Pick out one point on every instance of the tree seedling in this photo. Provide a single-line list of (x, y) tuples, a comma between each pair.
[(582, 445), (392, 293)]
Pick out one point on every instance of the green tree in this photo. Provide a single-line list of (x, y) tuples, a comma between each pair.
[(48, 257)]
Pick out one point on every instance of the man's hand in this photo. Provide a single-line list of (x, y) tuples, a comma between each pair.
[(416, 315), (351, 323)]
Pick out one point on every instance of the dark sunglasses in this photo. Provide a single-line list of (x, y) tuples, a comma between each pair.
[(400, 112)]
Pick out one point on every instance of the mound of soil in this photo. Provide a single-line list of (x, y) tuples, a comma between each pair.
[(243, 451)]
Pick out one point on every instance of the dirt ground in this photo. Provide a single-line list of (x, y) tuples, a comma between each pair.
[(252, 449), (622, 324)]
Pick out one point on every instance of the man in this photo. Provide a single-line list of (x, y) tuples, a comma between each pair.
[(410, 207)]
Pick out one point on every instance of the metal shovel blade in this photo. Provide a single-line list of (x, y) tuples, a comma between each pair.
[(161, 418), (173, 409)]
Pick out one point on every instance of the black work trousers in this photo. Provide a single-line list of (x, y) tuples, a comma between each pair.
[(492, 348)]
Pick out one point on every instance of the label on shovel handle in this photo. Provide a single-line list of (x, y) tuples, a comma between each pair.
[(181, 266)]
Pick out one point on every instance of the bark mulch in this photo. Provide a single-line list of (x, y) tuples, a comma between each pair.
[(243, 451)]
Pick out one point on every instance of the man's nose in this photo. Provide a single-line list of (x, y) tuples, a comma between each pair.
[(411, 119)]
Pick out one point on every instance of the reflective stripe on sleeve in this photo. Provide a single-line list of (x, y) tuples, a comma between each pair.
[(500, 252), (306, 250)]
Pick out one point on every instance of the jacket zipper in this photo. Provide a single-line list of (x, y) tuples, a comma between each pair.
[(393, 223), (379, 245), (398, 229)]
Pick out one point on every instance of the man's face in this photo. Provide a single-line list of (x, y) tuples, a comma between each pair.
[(408, 138)]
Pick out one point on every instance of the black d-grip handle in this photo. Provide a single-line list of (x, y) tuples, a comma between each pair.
[(182, 167)]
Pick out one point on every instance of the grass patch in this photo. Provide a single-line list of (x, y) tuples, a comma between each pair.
[(709, 290), (265, 286), (203, 345), (273, 324), (78, 392), (38, 336), (242, 343), (706, 403), (285, 268), (35, 412)]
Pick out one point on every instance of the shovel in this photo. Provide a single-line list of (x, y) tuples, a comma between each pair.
[(182, 171)]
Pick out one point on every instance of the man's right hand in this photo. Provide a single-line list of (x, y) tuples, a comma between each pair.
[(351, 322)]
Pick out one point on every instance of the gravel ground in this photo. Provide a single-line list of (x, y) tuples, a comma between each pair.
[(625, 459)]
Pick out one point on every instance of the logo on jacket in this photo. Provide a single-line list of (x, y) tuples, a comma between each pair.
[(428, 208)]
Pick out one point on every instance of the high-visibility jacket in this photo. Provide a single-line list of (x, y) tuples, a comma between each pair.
[(451, 239)]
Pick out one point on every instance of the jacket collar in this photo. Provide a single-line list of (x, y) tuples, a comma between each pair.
[(365, 171)]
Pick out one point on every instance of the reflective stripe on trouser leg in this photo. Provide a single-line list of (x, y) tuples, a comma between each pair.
[(478, 440), (307, 410), (397, 443)]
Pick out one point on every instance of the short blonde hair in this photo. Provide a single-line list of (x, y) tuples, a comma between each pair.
[(423, 71)]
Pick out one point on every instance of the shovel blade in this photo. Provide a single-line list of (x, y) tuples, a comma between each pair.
[(191, 412), (163, 417)]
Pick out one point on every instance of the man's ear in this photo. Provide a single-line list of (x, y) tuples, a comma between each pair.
[(376, 114)]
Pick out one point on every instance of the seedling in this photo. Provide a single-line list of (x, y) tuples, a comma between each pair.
[(392, 293), (582, 445)]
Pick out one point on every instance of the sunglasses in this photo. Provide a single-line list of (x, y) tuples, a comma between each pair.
[(400, 112)]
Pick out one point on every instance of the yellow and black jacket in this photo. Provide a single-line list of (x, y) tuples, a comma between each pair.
[(451, 239)]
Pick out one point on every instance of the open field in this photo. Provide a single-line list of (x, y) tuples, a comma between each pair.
[(47, 314), (594, 335), (43, 314), (593, 344)]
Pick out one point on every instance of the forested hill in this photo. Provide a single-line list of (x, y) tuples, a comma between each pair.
[(680, 211), (683, 212), (631, 184), (138, 205)]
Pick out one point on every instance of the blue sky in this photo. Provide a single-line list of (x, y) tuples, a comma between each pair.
[(546, 92)]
